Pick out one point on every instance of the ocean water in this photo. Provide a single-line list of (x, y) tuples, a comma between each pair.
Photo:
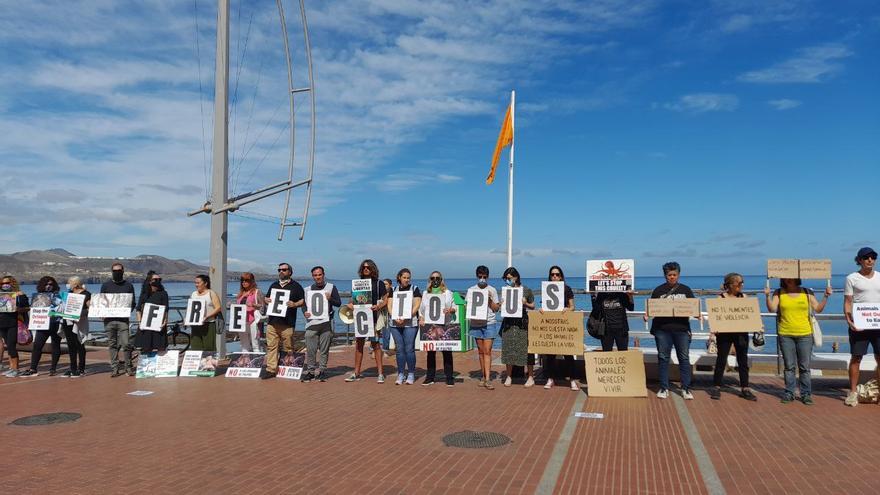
[(834, 331)]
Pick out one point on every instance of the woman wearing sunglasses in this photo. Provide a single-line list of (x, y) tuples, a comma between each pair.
[(9, 321), (251, 296), (152, 292), (733, 284), (378, 301), (514, 333), (46, 296), (551, 371), (436, 285)]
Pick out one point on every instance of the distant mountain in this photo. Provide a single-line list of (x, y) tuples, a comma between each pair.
[(29, 266)]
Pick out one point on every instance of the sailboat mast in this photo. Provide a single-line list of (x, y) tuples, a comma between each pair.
[(219, 180)]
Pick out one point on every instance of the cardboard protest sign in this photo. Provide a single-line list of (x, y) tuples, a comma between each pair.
[(362, 291), (152, 317), (71, 306), (290, 365), (7, 302), (866, 316), (401, 305), (440, 337), (105, 305), (659, 307), (318, 306), (611, 275), (782, 268), (734, 314), (278, 300), (434, 309), (512, 302), (553, 296), (196, 311), (688, 306), (199, 363), (237, 318), (556, 332), (814, 269), (363, 321), (615, 374), (245, 364), (478, 304), (39, 319)]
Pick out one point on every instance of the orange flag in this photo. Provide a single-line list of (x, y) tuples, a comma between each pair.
[(504, 140)]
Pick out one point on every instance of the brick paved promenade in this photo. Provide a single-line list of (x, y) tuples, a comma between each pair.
[(218, 435)]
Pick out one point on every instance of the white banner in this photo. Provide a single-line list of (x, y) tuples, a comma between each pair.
[(152, 317), (318, 305), (477, 304), (199, 363), (401, 305), (512, 304), (196, 311), (278, 300), (553, 296), (866, 316), (363, 321), (105, 305), (39, 319)]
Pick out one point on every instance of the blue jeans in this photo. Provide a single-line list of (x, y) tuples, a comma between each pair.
[(682, 342), (405, 341), (796, 351)]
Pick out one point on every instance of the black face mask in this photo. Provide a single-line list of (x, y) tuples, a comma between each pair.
[(155, 283), (117, 275)]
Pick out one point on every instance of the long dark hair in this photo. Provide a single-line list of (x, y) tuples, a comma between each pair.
[(147, 288), (561, 273), (513, 271), (44, 281), (206, 279), (374, 270)]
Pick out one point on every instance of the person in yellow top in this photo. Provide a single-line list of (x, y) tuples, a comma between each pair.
[(792, 304)]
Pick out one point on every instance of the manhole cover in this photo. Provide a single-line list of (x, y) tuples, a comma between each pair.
[(475, 439), (47, 419)]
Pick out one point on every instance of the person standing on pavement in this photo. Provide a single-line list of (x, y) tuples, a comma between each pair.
[(515, 333), (669, 331), (556, 275), (152, 292), (485, 331), (9, 321), (733, 284), (404, 331), (378, 302), (77, 332), (279, 332), (252, 297), (117, 328), (319, 335), (862, 286), (204, 337), (436, 285)]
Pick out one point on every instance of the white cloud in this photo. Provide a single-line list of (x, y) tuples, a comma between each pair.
[(704, 102), (811, 65), (784, 104)]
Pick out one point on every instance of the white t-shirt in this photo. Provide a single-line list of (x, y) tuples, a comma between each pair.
[(493, 295), (448, 302), (861, 288)]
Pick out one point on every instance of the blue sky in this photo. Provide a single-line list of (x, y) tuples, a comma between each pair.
[(715, 133)]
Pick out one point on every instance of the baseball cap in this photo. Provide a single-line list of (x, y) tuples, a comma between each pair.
[(865, 251)]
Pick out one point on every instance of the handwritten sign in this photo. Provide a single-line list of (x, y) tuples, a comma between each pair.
[(615, 374), (611, 275), (814, 269), (659, 307), (734, 314), (689, 306), (556, 332), (866, 316), (512, 304), (782, 268)]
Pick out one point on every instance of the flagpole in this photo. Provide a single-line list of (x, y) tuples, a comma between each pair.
[(510, 182)]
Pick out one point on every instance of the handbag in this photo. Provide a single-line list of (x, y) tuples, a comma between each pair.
[(596, 323), (868, 393), (758, 339), (817, 330), (24, 336)]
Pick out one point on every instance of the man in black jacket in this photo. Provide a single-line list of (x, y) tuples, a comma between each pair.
[(117, 328), (280, 328)]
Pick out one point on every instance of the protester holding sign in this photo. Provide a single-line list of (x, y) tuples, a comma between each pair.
[(404, 330), (284, 296), (46, 296), (612, 308), (152, 292), (436, 285), (514, 332), (733, 284), (792, 305), (117, 328), (484, 331), (377, 298), (567, 304), (252, 297), (204, 337), (319, 331), (861, 287), (9, 321), (669, 331), (76, 332)]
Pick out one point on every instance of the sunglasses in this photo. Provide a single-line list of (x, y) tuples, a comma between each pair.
[(283, 270), (436, 278), (556, 274), (246, 280), (870, 257), (156, 279)]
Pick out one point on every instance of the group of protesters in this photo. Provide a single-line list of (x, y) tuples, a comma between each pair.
[(793, 305)]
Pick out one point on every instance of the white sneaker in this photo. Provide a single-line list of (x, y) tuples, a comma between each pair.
[(852, 400), (687, 395), (530, 382), (663, 394), (381, 379), (508, 381), (410, 379), (549, 384), (575, 386), (399, 379)]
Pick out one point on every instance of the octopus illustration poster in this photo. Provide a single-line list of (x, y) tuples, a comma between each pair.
[(611, 275), (362, 291), (290, 364), (7, 302)]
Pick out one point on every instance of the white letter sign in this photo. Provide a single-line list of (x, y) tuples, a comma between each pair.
[(278, 304), (434, 309), (196, 309), (318, 306), (237, 318), (866, 316), (478, 304), (512, 306), (552, 296), (402, 305), (152, 317), (363, 321)]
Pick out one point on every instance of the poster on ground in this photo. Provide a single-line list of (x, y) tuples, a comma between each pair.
[(440, 337), (158, 365), (106, 305), (199, 363), (611, 275), (146, 367), (866, 316), (245, 364), (615, 374), (557, 332), (290, 365), (734, 314)]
